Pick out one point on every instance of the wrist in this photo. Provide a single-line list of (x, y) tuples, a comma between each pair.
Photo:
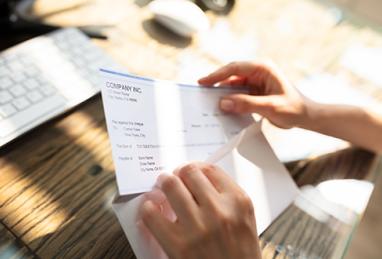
[(311, 115)]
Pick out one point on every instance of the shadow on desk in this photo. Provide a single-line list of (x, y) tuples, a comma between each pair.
[(350, 163), (313, 227), (57, 183), (163, 35), (56, 186)]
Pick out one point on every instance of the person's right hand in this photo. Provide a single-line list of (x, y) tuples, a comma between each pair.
[(214, 217), (270, 93)]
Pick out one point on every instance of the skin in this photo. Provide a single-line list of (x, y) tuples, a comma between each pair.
[(273, 96), (214, 217)]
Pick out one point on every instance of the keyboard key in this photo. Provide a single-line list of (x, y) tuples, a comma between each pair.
[(95, 82), (10, 57), (5, 82), (62, 44), (34, 96), (80, 63), (26, 60), (18, 77), (59, 38), (4, 71), (28, 117), (5, 97), (7, 110), (31, 83), (15, 66), (42, 80), (47, 90), (77, 51), (17, 90), (32, 71), (21, 103), (90, 56), (34, 81)]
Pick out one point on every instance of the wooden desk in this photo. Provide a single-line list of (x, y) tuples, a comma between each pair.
[(55, 193), (57, 182)]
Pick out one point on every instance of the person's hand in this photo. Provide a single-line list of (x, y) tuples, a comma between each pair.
[(270, 93), (214, 217)]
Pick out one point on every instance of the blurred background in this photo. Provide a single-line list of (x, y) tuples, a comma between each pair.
[(330, 50)]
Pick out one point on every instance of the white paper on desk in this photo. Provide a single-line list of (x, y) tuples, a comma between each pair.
[(250, 161), (154, 126)]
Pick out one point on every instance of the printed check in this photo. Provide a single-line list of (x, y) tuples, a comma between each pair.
[(154, 126)]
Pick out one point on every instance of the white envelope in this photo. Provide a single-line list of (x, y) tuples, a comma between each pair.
[(251, 162)]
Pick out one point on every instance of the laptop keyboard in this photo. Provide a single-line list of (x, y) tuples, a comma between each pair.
[(46, 76)]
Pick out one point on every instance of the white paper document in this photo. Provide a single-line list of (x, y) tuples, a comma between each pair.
[(154, 126), (250, 161)]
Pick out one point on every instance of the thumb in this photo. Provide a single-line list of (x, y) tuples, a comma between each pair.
[(244, 103)]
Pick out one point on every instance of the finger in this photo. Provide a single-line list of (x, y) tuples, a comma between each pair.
[(159, 198), (218, 178), (168, 212), (243, 69), (156, 195), (178, 196), (197, 183), (233, 81), (161, 228), (244, 104)]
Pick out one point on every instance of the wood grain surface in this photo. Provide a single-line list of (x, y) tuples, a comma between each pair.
[(11, 246), (56, 187), (57, 181)]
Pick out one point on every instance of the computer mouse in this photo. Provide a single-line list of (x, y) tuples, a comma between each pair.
[(180, 16), (217, 6)]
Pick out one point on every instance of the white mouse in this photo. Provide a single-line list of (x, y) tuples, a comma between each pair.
[(180, 16)]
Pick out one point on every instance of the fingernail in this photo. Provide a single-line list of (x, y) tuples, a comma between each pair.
[(160, 178), (158, 181), (226, 105), (176, 171)]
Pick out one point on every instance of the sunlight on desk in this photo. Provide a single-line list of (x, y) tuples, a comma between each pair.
[(22, 206), (57, 181)]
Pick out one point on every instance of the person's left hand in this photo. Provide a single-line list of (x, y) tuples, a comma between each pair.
[(214, 217)]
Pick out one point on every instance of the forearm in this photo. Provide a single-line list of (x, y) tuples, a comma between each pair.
[(356, 125)]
